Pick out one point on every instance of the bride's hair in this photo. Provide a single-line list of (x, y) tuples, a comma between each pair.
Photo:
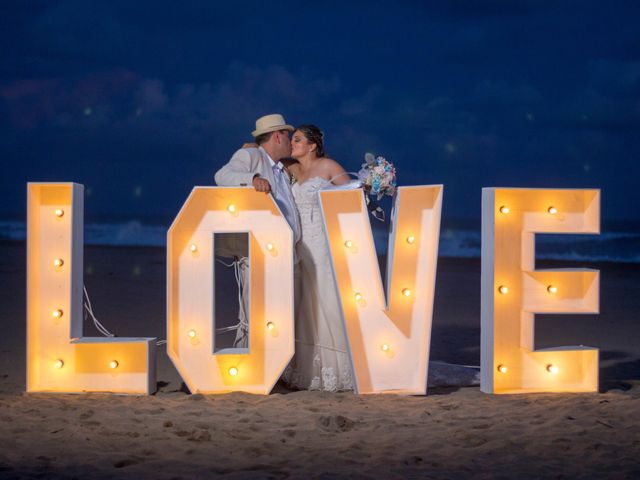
[(314, 135)]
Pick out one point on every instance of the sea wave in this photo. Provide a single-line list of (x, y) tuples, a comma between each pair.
[(132, 233), (461, 243)]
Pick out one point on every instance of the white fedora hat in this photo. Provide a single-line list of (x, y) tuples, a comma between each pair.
[(270, 123)]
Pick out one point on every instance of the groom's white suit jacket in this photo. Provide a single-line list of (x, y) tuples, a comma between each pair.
[(243, 166)]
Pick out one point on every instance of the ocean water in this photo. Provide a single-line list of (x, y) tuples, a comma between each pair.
[(617, 242)]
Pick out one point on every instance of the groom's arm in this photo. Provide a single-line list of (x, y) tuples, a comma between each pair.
[(238, 172)]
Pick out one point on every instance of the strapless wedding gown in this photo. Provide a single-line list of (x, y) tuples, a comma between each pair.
[(321, 360)]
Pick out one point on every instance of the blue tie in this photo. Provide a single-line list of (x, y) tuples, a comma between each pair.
[(284, 199)]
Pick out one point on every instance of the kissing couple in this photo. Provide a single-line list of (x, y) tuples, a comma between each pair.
[(293, 170)]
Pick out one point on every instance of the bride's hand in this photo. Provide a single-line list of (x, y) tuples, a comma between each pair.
[(249, 145)]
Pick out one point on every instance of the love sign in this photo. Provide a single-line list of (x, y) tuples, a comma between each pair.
[(388, 332)]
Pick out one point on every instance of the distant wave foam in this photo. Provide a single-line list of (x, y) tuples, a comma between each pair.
[(609, 246)]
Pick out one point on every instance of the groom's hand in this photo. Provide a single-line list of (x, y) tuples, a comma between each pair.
[(261, 185)]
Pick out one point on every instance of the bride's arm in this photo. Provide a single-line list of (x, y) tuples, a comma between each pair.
[(337, 174)]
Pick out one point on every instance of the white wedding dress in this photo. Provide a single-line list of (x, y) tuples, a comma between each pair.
[(321, 361)]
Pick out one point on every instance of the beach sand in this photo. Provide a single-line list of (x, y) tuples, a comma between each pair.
[(452, 432)]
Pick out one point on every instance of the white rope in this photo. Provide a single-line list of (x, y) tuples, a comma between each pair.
[(242, 323), (477, 367), (88, 312), (225, 264)]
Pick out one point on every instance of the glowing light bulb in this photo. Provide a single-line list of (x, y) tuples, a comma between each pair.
[(552, 210), (57, 313), (233, 371), (113, 364), (552, 289), (270, 325), (348, 244), (191, 333), (231, 208), (503, 289), (411, 239), (502, 368), (270, 247), (385, 347), (358, 296), (58, 364), (58, 262), (553, 369), (504, 209), (406, 292), (59, 212), (193, 247)]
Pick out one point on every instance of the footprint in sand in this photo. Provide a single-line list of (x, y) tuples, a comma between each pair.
[(91, 423), (562, 444), (195, 435), (87, 414), (126, 462), (481, 426), (469, 441), (335, 423)]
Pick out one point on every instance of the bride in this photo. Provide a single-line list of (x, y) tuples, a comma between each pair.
[(321, 361)]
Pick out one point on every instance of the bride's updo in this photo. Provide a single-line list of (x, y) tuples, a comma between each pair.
[(314, 135)]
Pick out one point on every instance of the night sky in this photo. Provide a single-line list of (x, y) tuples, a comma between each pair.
[(142, 100)]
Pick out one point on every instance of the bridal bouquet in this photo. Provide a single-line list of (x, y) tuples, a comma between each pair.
[(378, 177)]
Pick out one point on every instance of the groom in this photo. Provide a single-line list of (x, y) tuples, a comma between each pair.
[(261, 168)]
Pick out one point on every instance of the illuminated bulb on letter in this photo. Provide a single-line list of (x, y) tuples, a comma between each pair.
[(503, 290), (411, 239), (59, 364), (358, 296), (59, 212), (113, 364), (193, 247), (384, 347), (231, 208), (233, 371), (406, 292), (58, 262), (502, 368), (57, 313), (552, 210), (270, 325), (552, 289), (504, 209), (191, 333), (551, 368), (270, 247), (348, 244)]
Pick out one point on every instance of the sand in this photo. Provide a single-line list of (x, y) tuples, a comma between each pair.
[(452, 432)]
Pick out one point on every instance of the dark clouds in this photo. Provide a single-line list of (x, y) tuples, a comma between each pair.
[(123, 96)]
